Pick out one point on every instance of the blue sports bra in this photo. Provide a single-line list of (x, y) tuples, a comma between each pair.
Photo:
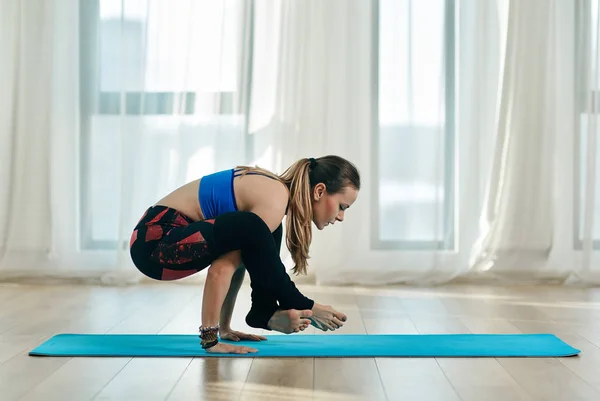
[(216, 194)]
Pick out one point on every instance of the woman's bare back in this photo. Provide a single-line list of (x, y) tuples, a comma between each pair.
[(252, 192)]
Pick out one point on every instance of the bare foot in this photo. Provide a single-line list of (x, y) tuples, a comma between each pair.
[(290, 321), (326, 318)]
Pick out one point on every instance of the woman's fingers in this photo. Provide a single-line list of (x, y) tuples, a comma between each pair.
[(256, 337), (245, 350), (245, 336)]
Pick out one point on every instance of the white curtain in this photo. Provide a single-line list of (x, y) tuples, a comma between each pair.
[(433, 75), (470, 153), (539, 221), (112, 105), (26, 165), (377, 96), (518, 222), (473, 124)]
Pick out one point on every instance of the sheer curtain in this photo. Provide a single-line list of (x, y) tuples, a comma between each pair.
[(434, 79), (165, 103), (518, 224), (371, 82), (113, 104), (474, 124), (539, 222), (586, 202), (26, 59), (496, 181)]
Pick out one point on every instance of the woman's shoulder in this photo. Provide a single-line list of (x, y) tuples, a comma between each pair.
[(266, 197), (261, 189)]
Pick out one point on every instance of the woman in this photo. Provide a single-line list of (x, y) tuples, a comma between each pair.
[(232, 221)]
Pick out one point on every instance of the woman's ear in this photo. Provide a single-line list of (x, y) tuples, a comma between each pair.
[(318, 191)]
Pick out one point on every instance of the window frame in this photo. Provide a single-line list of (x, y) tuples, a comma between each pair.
[(582, 95), (94, 103), (450, 158)]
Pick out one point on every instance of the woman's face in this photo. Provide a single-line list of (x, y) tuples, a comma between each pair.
[(329, 208)]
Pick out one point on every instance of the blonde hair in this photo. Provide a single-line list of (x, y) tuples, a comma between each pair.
[(300, 178), (299, 212)]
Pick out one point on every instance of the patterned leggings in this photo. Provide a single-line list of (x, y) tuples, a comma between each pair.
[(167, 245)]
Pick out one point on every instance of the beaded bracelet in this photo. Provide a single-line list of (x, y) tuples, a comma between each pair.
[(209, 336)]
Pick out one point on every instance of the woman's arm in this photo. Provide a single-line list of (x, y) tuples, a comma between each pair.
[(216, 287), (229, 303)]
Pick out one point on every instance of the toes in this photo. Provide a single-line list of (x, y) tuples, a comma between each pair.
[(306, 313), (340, 316)]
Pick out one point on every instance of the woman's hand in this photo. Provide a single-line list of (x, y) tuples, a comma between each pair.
[(232, 335), (223, 348), (325, 318)]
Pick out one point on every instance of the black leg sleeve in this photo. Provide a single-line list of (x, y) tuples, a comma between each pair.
[(247, 232), (264, 305)]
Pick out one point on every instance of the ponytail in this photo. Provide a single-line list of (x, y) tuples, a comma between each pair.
[(299, 216)]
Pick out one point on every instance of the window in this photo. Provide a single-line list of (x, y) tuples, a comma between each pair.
[(160, 84), (587, 120), (414, 141)]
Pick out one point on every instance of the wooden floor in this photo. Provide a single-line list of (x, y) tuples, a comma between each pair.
[(31, 314)]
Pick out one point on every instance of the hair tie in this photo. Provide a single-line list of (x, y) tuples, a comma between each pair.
[(313, 162)]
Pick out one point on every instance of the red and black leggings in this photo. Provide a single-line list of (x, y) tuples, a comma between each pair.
[(167, 245)]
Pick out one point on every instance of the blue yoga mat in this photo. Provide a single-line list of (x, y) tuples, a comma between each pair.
[(333, 345)]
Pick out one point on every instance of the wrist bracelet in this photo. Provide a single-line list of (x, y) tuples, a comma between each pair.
[(207, 345), (209, 336), (204, 329)]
